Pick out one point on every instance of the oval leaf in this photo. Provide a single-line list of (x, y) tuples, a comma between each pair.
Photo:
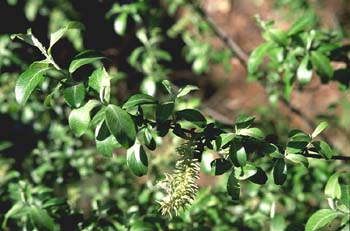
[(298, 159), (333, 189), (120, 24), (279, 172), (320, 219), (252, 132), (41, 219), (29, 80), (139, 99), (74, 95), (192, 116), (83, 58), (220, 166), (302, 23), (322, 64), (121, 125), (137, 159), (233, 186), (257, 56), (322, 126), (79, 119)]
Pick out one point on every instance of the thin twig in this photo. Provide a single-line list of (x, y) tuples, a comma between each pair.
[(343, 158)]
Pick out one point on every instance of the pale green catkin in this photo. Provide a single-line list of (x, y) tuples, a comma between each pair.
[(180, 186)]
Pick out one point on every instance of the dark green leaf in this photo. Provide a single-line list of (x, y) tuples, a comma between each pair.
[(121, 125), (238, 154), (243, 173), (320, 219), (244, 121), (279, 172), (332, 188), (139, 99), (137, 159), (271, 150), (233, 186), (83, 58), (29, 80), (220, 166), (41, 219), (192, 116), (323, 148), (79, 119), (259, 177), (164, 110), (74, 95), (322, 64), (149, 140)]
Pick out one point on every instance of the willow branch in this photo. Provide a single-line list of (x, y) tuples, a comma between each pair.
[(243, 59), (343, 158)]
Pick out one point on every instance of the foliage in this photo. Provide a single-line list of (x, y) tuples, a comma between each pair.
[(79, 182)]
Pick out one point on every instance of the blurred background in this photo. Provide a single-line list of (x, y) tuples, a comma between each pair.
[(39, 154)]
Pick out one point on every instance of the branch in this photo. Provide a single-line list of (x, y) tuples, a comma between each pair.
[(243, 58), (344, 158)]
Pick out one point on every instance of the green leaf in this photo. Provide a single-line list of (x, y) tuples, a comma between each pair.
[(148, 139), (332, 188), (257, 56), (105, 141), (79, 119), (304, 72), (302, 23), (277, 223), (137, 159), (29, 80), (320, 219), (243, 173), (276, 35), (100, 81), (83, 58), (323, 148), (41, 219), (233, 186), (223, 140), (244, 121), (271, 150), (345, 195), (220, 166), (74, 95), (187, 89), (319, 129), (121, 125), (193, 116), (120, 24), (322, 64), (164, 110), (168, 86), (18, 209), (61, 32), (279, 172), (139, 99), (252, 132), (298, 141), (259, 177), (238, 154), (298, 159), (30, 39)]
